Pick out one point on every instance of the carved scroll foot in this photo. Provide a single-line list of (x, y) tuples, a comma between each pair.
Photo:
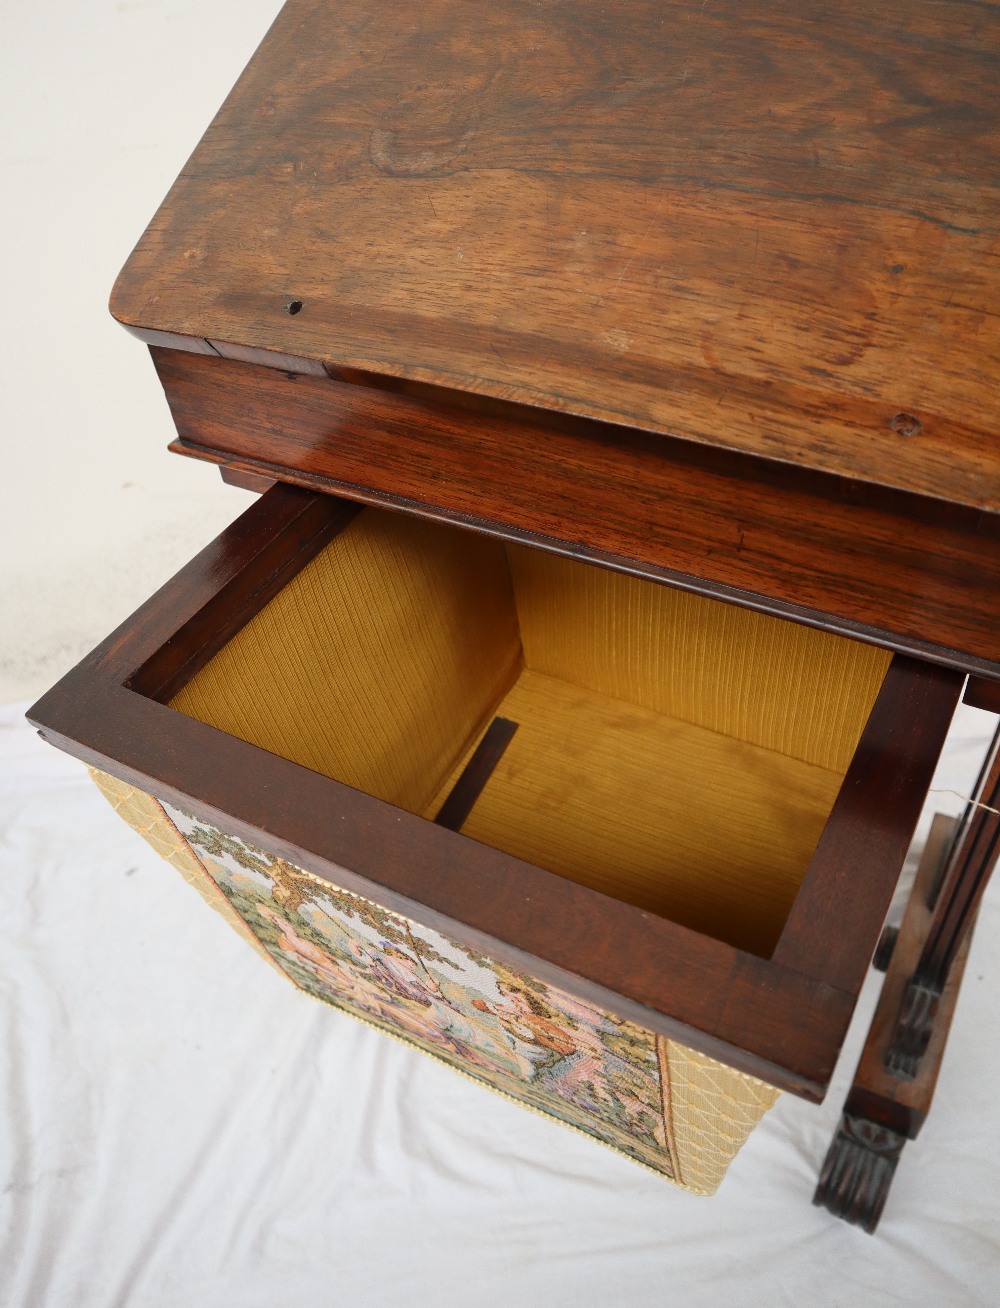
[(858, 1171), (914, 1028), (894, 1083)]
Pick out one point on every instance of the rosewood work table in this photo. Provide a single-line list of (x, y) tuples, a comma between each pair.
[(622, 385)]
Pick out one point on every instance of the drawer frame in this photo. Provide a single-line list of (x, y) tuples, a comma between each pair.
[(782, 1019)]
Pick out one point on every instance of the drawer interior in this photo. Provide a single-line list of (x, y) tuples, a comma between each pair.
[(672, 751)]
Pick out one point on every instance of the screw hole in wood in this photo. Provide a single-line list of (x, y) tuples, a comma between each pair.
[(905, 424)]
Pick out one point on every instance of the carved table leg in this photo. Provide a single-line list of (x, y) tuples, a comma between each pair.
[(884, 1109), (956, 903), (859, 1167)]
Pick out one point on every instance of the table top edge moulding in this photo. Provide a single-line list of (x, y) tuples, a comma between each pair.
[(913, 574)]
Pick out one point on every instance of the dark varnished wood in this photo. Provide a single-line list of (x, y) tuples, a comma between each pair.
[(967, 875), (782, 1023), (983, 694), (877, 1092), (287, 532), (872, 823), (776, 1024), (906, 572), (883, 1108), (858, 1171), (469, 786), (771, 229), (249, 481), (955, 906)]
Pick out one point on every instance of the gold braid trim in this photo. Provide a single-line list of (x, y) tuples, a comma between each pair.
[(146, 817), (713, 1110)]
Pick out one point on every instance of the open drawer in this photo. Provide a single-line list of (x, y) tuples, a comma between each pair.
[(619, 850)]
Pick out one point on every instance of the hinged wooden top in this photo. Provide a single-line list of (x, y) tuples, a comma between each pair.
[(768, 228)]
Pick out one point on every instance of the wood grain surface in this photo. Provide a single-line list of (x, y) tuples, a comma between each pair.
[(772, 228), (901, 570), (872, 823)]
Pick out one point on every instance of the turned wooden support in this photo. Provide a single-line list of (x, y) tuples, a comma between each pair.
[(884, 1108), (955, 898)]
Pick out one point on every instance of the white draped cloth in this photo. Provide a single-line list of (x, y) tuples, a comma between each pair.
[(181, 1127)]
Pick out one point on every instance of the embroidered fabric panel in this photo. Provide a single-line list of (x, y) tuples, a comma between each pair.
[(534, 1042), (656, 1101)]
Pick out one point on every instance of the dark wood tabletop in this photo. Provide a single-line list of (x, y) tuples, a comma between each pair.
[(771, 228)]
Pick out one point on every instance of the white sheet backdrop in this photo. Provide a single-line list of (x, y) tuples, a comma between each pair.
[(181, 1128)]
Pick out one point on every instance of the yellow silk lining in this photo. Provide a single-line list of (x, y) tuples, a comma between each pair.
[(694, 826), (377, 661), (760, 679), (675, 752)]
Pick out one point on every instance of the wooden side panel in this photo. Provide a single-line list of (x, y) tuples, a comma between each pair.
[(894, 1101), (861, 852)]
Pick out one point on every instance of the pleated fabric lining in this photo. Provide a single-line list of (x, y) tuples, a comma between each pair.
[(376, 663), (695, 826), (676, 752), (755, 678)]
